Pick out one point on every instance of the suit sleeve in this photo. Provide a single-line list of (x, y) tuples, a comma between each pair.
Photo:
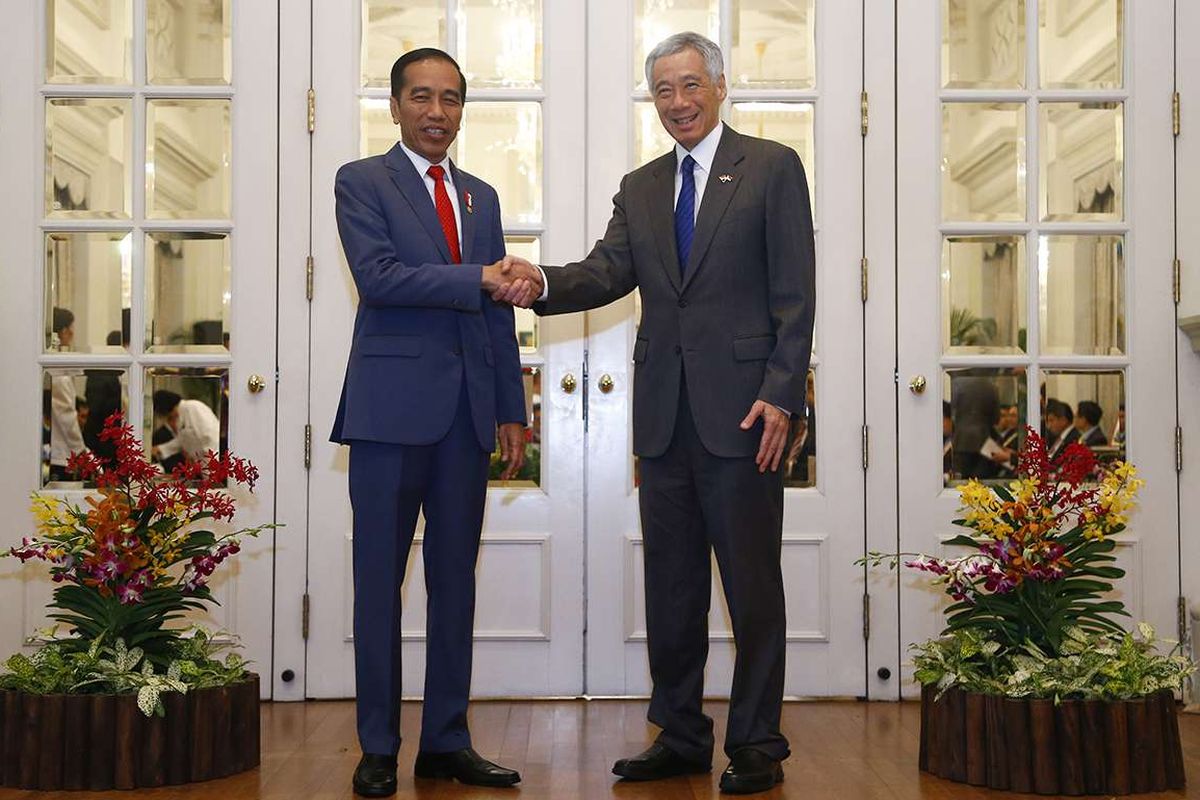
[(791, 277), (381, 277), (510, 390), (607, 274)]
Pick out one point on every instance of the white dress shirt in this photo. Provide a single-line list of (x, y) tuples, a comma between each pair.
[(422, 165), (703, 154), (198, 432)]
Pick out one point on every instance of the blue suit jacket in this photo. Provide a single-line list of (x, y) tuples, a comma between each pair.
[(423, 325)]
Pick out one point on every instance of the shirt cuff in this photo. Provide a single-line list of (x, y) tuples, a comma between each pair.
[(545, 284), (786, 413)]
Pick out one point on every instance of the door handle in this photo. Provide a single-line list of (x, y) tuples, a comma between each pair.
[(568, 383), (917, 384)]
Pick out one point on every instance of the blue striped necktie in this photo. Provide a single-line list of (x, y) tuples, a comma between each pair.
[(685, 213)]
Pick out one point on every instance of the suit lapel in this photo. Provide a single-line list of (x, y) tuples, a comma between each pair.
[(465, 212), (661, 203), (717, 194), (412, 186)]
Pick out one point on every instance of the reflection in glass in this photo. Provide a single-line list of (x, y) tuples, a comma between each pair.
[(88, 148), (188, 43), (1080, 44), (787, 123), (983, 412), (1084, 406), (88, 42), (186, 413), (799, 462), (530, 249), (75, 405), (188, 151), (983, 294), (983, 161), (87, 291), (774, 45), (1082, 161), (530, 474), (187, 292), (650, 139), (655, 20), (500, 42), (1082, 294), (502, 144), (390, 28), (983, 44), (376, 132)]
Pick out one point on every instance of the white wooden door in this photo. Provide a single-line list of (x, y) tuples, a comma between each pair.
[(140, 195), (522, 129), (795, 75), (1034, 236)]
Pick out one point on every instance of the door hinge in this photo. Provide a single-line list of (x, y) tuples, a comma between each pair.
[(1175, 120), (1178, 449), (307, 445), (308, 278), (312, 109), (864, 267), (866, 614), (1181, 620), (1176, 285), (864, 109), (304, 615), (866, 444)]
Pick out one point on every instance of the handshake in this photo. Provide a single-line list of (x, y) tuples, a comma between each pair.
[(513, 280)]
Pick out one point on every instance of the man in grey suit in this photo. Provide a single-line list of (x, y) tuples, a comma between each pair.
[(717, 235)]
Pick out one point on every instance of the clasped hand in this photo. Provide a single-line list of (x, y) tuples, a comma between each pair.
[(513, 280)]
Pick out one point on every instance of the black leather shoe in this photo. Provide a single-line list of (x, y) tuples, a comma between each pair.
[(750, 771), (656, 762), (375, 776), (465, 766)]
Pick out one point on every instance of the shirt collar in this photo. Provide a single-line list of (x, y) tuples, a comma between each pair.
[(704, 152), (422, 164)]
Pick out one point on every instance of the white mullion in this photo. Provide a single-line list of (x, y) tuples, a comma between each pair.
[(774, 95), (137, 292), (1033, 271), (474, 95), (85, 360), (725, 41), (188, 92), (1083, 363), (187, 226), (452, 29), (188, 360)]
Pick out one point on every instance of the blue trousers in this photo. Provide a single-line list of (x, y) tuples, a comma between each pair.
[(389, 485)]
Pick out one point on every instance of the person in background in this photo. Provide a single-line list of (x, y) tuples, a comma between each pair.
[(1087, 422), (947, 441), (1008, 436), (197, 429), (1060, 429), (66, 437)]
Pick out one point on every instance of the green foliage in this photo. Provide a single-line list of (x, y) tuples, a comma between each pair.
[(531, 470), (968, 330)]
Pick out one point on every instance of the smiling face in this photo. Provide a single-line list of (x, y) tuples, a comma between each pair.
[(687, 98), (429, 108)]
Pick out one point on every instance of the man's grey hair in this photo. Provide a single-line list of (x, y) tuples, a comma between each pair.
[(714, 64)]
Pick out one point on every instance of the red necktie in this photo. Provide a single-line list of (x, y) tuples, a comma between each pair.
[(445, 211)]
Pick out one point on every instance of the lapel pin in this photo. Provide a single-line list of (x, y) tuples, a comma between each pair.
[(726, 178), (470, 203)]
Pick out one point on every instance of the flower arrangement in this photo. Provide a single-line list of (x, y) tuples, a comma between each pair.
[(136, 558)]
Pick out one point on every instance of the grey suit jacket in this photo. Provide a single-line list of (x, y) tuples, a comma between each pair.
[(739, 324)]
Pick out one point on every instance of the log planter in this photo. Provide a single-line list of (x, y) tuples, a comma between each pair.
[(102, 741), (1073, 748)]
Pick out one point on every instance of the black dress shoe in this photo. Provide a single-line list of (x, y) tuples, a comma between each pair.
[(750, 771), (465, 766), (656, 762), (375, 776)]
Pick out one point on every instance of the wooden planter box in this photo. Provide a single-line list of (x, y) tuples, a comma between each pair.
[(103, 741), (1076, 747)]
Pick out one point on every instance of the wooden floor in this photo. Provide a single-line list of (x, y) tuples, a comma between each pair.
[(842, 751)]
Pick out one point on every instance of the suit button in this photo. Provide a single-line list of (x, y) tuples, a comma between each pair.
[(456, 351), (682, 303), (678, 349)]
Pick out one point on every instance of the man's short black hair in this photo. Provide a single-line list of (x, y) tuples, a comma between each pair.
[(1090, 411), (424, 54), (1059, 409), (165, 401)]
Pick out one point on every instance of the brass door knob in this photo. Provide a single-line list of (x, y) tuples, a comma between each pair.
[(568, 383), (605, 383), (917, 384), (256, 384)]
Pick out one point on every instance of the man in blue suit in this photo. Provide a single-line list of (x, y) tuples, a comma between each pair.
[(433, 375)]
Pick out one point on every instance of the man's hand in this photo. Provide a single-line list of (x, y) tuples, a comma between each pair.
[(775, 430), (512, 448), (513, 280)]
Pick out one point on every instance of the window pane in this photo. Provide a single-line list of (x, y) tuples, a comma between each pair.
[(655, 20), (188, 43), (650, 139), (530, 249), (502, 144), (1082, 291), (75, 404), (787, 123), (983, 44), (774, 44), (1084, 406), (799, 464), (186, 413), (188, 150), (500, 42), (983, 413), (983, 161), (88, 42), (88, 148), (530, 474), (1082, 161), (187, 293), (983, 294), (376, 131), (87, 290), (390, 28), (1080, 44)]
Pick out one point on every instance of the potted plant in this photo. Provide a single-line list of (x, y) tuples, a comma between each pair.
[(125, 698), (1033, 685)]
